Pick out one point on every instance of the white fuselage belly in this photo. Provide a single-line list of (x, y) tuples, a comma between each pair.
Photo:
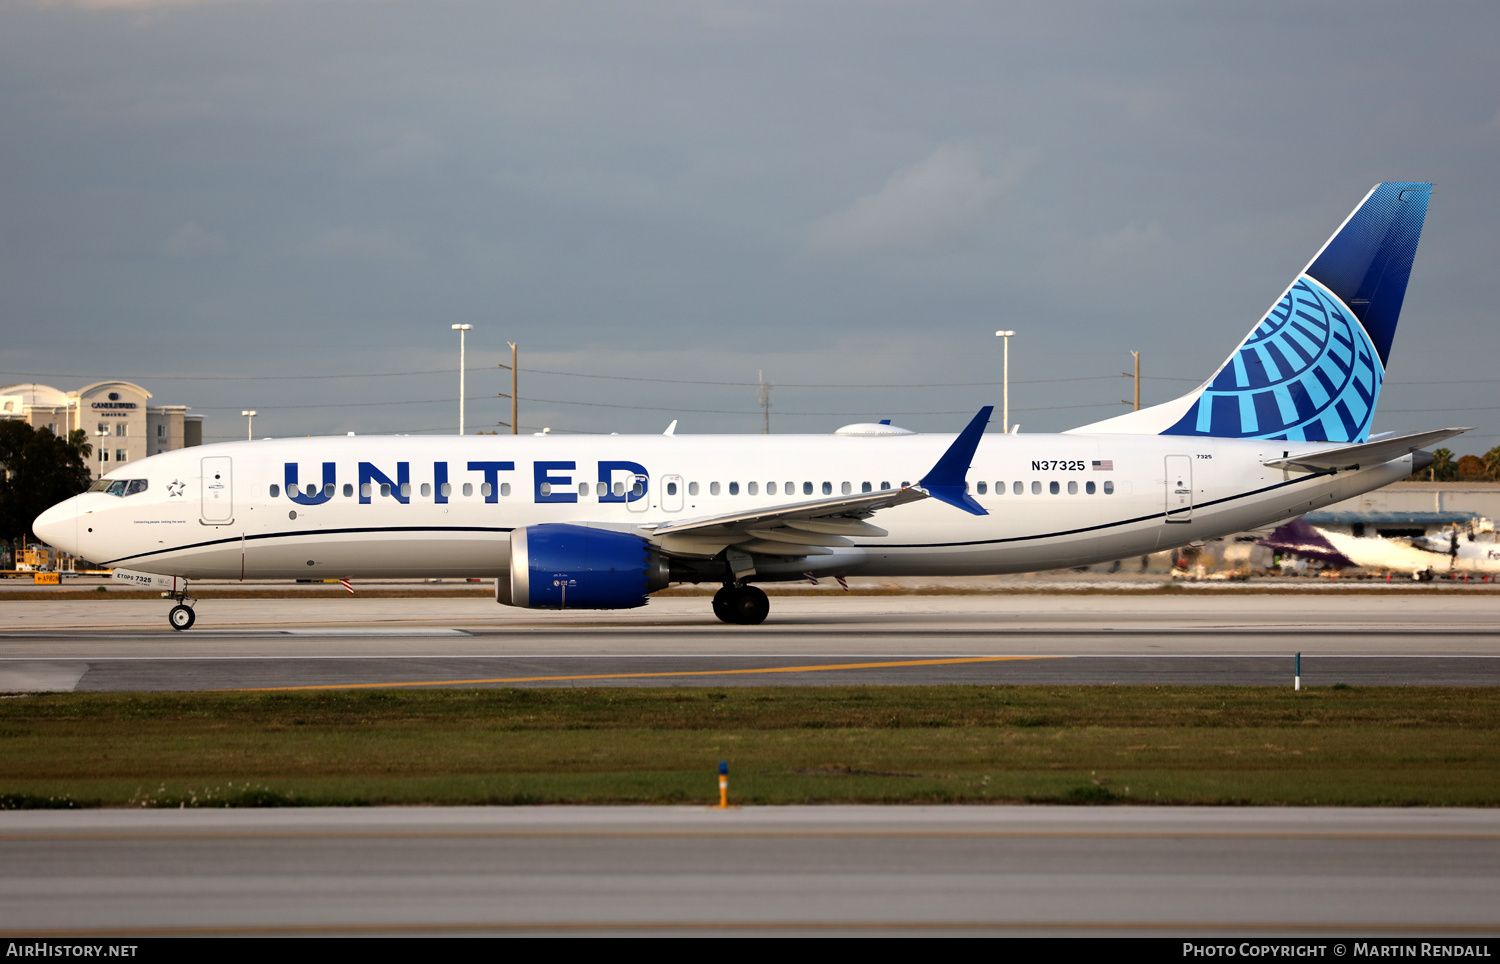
[(249, 534)]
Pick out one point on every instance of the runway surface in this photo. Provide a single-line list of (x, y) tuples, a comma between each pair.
[(1247, 639), (896, 870)]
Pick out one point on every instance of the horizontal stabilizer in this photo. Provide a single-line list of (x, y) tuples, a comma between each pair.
[(1368, 453)]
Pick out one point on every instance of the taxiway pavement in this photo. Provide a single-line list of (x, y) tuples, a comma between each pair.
[(643, 870), (1231, 638)]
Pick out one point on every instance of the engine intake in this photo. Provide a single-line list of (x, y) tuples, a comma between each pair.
[(560, 566)]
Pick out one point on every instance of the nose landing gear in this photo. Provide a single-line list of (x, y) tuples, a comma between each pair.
[(181, 616), (741, 605)]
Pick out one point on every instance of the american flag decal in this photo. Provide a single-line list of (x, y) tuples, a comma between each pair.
[(1107, 465)]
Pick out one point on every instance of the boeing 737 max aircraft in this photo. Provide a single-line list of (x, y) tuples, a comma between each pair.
[(599, 522)]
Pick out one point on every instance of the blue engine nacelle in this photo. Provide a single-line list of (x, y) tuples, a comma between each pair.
[(559, 566)]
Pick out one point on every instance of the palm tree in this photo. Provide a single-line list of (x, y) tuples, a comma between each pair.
[(1492, 463), (1443, 466), (78, 441)]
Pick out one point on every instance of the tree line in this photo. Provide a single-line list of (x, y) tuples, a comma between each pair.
[(1464, 468), (37, 471)]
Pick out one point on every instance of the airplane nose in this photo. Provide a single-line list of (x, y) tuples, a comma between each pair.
[(58, 526)]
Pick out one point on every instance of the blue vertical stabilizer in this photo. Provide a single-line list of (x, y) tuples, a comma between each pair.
[(1312, 369)]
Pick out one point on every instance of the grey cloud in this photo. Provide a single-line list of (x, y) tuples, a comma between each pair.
[(380, 246), (192, 240), (934, 205)]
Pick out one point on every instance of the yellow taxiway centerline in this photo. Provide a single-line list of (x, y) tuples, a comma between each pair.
[(699, 672)]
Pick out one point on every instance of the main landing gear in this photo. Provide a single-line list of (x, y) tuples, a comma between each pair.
[(741, 605), (182, 616)]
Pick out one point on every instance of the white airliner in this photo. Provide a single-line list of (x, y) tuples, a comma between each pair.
[(599, 522), (1425, 557)]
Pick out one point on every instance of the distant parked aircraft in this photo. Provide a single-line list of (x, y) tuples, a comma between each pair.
[(1424, 557)]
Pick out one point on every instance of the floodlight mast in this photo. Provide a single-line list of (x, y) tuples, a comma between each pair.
[(1005, 391), (462, 331)]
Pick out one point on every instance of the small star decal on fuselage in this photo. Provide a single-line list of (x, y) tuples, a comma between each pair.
[(174, 489)]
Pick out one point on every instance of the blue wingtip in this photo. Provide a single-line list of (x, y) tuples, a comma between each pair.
[(945, 481)]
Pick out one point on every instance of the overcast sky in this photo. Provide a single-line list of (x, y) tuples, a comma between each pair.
[(209, 197)]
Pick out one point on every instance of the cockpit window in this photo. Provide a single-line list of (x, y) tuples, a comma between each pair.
[(119, 487)]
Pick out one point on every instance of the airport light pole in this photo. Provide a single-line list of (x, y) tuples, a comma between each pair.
[(249, 414), (462, 330), (1005, 391)]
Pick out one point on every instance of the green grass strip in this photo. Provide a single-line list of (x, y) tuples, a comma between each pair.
[(1375, 746)]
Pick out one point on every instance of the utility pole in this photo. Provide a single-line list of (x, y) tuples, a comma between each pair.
[(515, 428), (1137, 377), (765, 402)]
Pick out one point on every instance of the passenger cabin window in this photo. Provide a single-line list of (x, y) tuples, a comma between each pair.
[(864, 487), (828, 488), (671, 488), (328, 490), (638, 490), (770, 488), (846, 488), (485, 490), (692, 488), (751, 488), (545, 488), (619, 488), (446, 489), (713, 488), (1072, 488), (807, 488), (469, 489), (426, 489), (348, 490), (504, 488), (981, 488), (1088, 487), (734, 488), (1016, 488), (583, 489), (385, 490), (275, 491), (364, 490), (1036, 488), (1053, 488), (1109, 488)]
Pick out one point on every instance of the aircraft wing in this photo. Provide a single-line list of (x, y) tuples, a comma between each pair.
[(1367, 453), (816, 527), (796, 529)]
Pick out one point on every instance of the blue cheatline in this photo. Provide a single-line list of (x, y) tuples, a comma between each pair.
[(1312, 369)]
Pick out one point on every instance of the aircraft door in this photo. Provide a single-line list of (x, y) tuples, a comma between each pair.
[(638, 497), (217, 490), (671, 493), (1179, 484)]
